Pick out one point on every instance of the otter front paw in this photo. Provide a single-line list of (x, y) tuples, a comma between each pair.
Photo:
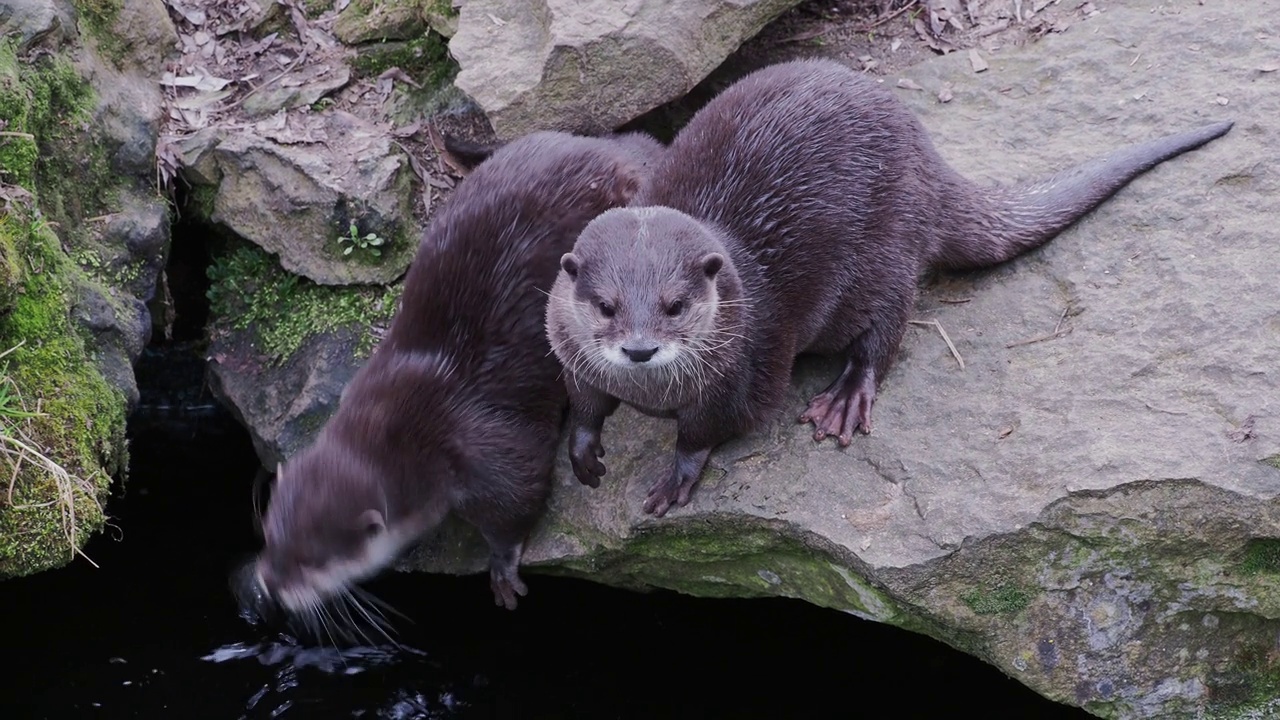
[(506, 585), (585, 451)]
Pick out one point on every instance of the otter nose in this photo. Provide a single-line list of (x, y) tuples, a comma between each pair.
[(639, 355)]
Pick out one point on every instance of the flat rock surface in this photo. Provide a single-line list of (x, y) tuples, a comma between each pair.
[(294, 185), (1148, 429)]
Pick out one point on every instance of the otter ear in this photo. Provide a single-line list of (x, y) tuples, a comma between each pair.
[(372, 523), (569, 263), (711, 264)]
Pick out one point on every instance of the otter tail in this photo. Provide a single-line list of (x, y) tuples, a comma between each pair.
[(1026, 216)]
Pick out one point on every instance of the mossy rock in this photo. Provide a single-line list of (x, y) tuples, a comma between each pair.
[(369, 20), (61, 424), (250, 292)]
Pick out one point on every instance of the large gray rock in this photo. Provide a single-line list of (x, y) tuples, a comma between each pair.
[(36, 21), (1095, 514), (293, 185), (592, 65)]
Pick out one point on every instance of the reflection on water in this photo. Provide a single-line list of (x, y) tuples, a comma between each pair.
[(155, 631), (291, 661)]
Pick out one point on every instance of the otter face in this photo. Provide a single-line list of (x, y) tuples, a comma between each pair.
[(327, 527), (644, 291)]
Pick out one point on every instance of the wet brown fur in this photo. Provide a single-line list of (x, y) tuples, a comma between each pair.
[(460, 407), (828, 200)]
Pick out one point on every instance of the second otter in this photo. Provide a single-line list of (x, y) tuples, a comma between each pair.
[(794, 213), (460, 407)]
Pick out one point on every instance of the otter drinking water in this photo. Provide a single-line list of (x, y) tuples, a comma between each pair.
[(794, 213), (460, 406)]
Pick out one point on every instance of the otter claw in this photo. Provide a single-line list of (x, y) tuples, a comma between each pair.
[(506, 585), (584, 450), (666, 494)]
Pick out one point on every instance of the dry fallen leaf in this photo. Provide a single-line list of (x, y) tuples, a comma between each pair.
[(975, 59), (1244, 432), (201, 100), (195, 16), (199, 82), (908, 84), (945, 95)]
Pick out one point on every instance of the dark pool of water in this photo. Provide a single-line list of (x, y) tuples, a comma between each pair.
[(154, 632)]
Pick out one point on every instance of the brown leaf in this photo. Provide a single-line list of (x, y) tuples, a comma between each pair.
[(396, 73), (976, 60), (1244, 432)]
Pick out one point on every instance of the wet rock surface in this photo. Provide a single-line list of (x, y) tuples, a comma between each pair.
[(592, 66), (1091, 503)]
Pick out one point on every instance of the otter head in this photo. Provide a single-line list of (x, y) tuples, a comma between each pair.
[(329, 525), (640, 293)]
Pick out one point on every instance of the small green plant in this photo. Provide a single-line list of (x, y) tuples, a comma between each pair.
[(11, 407), (370, 242)]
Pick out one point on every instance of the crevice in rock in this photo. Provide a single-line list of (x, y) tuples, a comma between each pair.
[(171, 371)]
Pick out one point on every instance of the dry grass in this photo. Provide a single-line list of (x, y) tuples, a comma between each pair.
[(18, 446)]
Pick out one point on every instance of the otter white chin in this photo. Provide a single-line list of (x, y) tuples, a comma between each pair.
[(793, 214)]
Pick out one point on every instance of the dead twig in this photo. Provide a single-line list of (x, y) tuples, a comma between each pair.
[(1058, 331), (865, 28), (945, 338), (1041, 338)]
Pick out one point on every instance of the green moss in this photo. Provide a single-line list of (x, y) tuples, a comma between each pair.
[(1250, 688), (99, 17), (315, 8), (249, 290), (1261, 555), (1273, 461), (736, 560), (202, 200), (1006, 599), (81, 422), (425, 59), (48, 100)]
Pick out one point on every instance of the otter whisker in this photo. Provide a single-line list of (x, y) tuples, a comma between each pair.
[(378, 622), (379, 602), (343, 603), (326, 622)]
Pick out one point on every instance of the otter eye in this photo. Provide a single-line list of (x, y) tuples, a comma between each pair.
[(675, 308), (606, 309)]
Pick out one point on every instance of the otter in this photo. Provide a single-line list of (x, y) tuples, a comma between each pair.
[(793, 214), (460, 407)]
